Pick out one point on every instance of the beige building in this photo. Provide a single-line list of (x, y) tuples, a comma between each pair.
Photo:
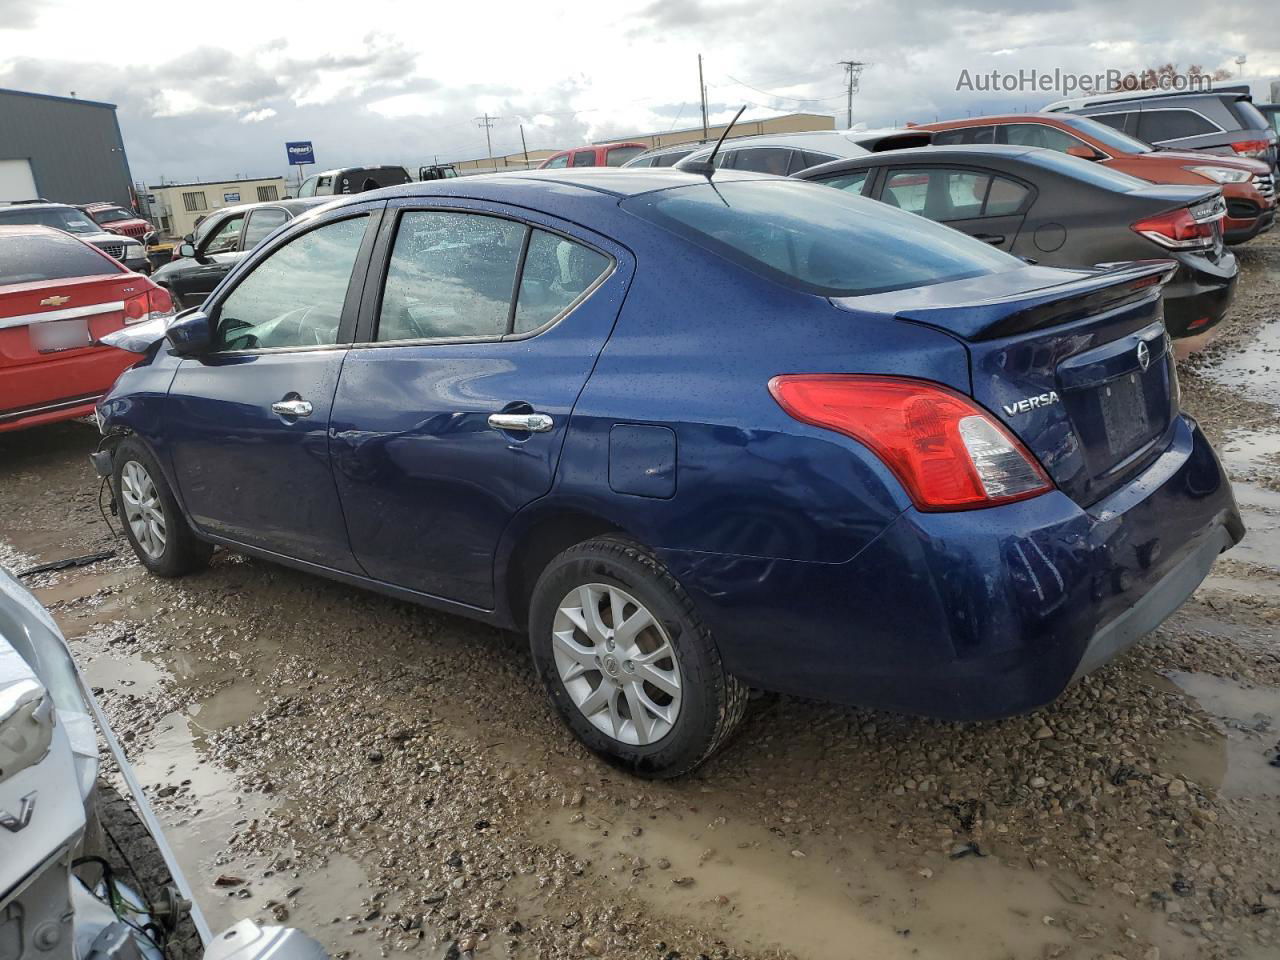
[(177, 207), (512, 161), (787, 123)]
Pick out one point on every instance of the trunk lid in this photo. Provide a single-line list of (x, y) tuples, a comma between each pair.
[(1075, 363), (62, 317)]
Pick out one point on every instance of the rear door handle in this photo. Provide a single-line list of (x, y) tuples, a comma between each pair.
[(521, 422), (991, 238), (291, 408)]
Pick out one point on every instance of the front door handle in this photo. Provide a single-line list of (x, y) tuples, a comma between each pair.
[(521, 422), (291, 408)]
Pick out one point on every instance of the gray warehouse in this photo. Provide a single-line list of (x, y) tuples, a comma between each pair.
[(61, 148)]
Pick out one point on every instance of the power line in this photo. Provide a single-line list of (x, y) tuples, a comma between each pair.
[(784, 96), (487, 122), (853, 68)]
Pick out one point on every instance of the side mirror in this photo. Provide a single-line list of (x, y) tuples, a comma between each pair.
[(1085, 153), (190, 333), (186, 249)]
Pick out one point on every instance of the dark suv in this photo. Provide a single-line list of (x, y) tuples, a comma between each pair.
[(1223, 121), (352, 180)]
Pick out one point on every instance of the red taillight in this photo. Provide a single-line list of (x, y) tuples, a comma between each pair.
[(1177, 230), (148, 305), (1197, 324), (947, 452), (1251, 148)]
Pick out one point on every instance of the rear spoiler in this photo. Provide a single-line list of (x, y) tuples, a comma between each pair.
[(1062, 303)]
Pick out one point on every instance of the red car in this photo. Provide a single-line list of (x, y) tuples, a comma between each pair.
[(606, 155), (1247, 184), (58, 296), (116, 219)]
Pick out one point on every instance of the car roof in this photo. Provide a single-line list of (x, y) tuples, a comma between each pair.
[(932, 155), (1129, 96), (1042, 116), (839, 139), (27, 229), (42, 205), (293, 205), (610, 182)]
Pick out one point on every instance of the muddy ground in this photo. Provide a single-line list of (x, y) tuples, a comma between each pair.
[(392, 779)]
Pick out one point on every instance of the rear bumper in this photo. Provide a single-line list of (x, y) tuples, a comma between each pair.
[(979, 614), (1198, 297), (1242, 230), (55, 387)]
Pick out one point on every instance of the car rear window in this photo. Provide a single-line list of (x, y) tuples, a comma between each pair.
[(1250, 117), (818, 240), (1093, 173), (28, 258)]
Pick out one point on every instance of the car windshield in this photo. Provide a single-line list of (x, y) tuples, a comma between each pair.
[(1108, 135), (111, 215), (63, 218), (812, 238)]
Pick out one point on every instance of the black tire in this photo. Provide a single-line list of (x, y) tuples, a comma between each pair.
[(712, 702), (182, 552), (115, 832)]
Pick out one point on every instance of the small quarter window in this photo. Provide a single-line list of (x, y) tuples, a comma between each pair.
[(556, 273)]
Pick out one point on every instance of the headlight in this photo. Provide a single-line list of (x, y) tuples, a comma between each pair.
[(1221, 174), (133, 251)]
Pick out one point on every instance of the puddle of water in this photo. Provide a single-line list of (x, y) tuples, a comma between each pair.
[(1251, 456), (1254, 370), (747, 883), (1239, 763)]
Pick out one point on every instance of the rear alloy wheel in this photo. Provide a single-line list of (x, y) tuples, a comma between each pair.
[(153, 522), (628, 664)]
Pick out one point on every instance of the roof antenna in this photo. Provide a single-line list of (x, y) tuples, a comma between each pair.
[(708, 166)]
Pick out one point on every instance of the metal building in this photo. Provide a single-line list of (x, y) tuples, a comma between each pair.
[(61, 148)]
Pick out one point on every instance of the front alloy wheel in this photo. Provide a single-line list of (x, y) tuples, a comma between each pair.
[(142, 508), (617, 664)]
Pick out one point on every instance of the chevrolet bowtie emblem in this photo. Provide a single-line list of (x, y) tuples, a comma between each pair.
[(53, 301)]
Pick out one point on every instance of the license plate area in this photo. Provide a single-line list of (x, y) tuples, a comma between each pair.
[(1125, 417), (52, 336)]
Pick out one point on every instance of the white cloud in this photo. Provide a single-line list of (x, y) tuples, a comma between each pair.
[(257, 116)]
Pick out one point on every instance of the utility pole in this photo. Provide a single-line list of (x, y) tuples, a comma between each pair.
[(525, 147), (702, 94), (853, 70), (487, 122)]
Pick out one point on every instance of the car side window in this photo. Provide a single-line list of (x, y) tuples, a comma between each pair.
[(450, 275), (1004, 198), (324, 187), (1036, 135), (1116, 121), (557, 272), (584, 158), (938, 194), (1155, 126), (854, 182), (226, 238), (308, 188), (261, 222), (804, 159), (773, 160), (950, 138), (294, 297), (557, 162)]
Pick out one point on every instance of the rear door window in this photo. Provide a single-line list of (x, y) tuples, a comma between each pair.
[(804, 159), (27, 258), (584, 158), (1158, 126), (450, 275), (936, 193), (775, 160), (855, 182), (557, 272), (950, 138), (1116, 121)]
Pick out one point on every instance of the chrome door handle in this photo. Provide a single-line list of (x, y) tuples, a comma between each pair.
[(521, 422), (291, 408)]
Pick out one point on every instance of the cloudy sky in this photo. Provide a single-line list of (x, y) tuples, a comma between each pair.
[(211, 90)]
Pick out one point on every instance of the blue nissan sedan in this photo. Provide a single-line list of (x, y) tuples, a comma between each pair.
[(694, 434)]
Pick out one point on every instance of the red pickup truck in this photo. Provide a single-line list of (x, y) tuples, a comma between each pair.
[(605, 155)]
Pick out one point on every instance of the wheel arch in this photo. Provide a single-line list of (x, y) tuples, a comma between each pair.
[(533, 541)]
